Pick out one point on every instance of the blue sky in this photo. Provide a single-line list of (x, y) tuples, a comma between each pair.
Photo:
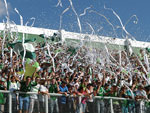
[(47, 15)]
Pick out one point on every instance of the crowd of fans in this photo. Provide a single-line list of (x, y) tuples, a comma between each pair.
[(77, 71)]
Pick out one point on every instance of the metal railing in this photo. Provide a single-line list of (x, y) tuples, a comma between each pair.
[(55, 103)]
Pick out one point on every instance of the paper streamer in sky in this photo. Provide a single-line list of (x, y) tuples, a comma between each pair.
[(93, 32), (21, 23), (135, 22), (59, 3), (123, 27), (6, 6), (62, 15), (16, 30), (92, 11), (29, 21), (79, 23), (6, 25), (21, 18), (3, 41), (85, 10)]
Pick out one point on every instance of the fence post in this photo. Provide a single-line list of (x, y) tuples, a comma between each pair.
[(111, 106), (46, 103), (80, 109), (10, 102), (141, 106)]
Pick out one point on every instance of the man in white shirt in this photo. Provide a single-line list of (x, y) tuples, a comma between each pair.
[(43, 91), (13, 85), (34, 98)]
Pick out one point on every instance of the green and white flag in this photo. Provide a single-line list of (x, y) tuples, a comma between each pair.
[(19, 49)]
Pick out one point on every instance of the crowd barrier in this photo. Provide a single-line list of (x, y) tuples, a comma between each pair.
[(58, 103)]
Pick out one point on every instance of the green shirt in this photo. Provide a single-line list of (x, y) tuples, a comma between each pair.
[(2, 98), (2, 87), (25, 88), (101, 92), (53, 89)]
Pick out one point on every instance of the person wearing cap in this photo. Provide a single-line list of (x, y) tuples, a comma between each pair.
[(63, 89)]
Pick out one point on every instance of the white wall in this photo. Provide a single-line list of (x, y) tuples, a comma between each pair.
[(72, 35)]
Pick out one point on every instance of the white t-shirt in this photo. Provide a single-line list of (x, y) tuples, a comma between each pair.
[(42, 89), (13, 86), (35, 89)]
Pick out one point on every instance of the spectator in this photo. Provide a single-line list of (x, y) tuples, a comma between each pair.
[(13, 86), (25, 86), (82, 92), (63, 89), (78, 66), (2, 97), (43, 91), (54, 88), (140, 94), (34, 97), (100, 91), (90, 101)]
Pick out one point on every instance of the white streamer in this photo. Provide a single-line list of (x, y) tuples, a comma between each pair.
[(21, 18), (49, 52), (142, 65), (92, 11), (78, 20), (6, 6), (84, 13), (129, 89), (23, 39), (93, 32), (7, 25), (3, 41), (59, 3), (62, 15), (146, 61), (123, 27), (23, 60), (29, 21), (16, 31)]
